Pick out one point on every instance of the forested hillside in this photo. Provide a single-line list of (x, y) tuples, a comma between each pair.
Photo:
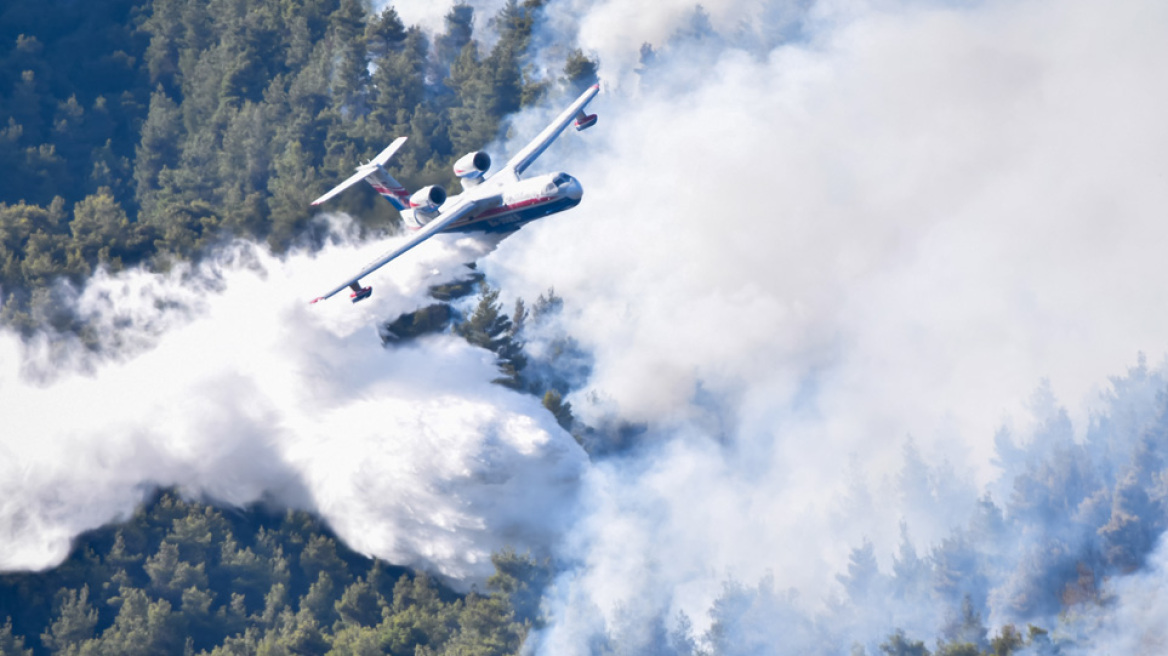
[(737, 381), (144, 131), (181, 577)]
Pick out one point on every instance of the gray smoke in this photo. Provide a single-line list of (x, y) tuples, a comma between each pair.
[(826, 276)]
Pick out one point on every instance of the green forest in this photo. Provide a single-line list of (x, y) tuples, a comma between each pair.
[(181, 577), (146, 132)]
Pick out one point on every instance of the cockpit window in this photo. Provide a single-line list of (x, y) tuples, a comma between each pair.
[(561, 179)]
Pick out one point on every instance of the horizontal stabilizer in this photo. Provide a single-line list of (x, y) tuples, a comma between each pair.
[(584, 121), (359, 293)]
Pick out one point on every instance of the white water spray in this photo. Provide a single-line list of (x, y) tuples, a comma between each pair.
[(228, 384)]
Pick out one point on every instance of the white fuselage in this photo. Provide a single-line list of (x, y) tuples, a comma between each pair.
[(522, 201)]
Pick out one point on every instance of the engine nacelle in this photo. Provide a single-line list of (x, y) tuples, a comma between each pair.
[(584, 121), (360, 293), (428, 199), (472, 165)]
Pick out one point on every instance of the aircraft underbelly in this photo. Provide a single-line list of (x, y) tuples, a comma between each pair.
[(512, 219)]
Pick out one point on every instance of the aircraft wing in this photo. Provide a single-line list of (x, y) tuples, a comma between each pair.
[(527, 155), (456, 211)]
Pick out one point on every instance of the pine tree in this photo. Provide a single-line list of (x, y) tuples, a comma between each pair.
[(318, 601), (561, 410), (546, 305), (320, 557), (1008, 640), (459, 32), (170, 575), (292, 188), (863, 578), (910, 572), (518, 318), (10, 643), (898, 644), (101, 232), (399, 83), (522, 581), (967, 627), (158, 148), (359, 604), (487, 325), (75, 622), (350, 79), (580, 71), (384, 34)]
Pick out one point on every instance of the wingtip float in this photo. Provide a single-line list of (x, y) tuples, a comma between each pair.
[(500, 202)]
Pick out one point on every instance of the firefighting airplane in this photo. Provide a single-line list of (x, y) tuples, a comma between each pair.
[(500, 202)]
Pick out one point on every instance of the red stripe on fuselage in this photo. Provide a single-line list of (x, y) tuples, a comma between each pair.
[(514, 206), (499, 211), (399, 192)]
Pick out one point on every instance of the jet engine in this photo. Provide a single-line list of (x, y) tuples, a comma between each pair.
[(428, 199), (471, 167)]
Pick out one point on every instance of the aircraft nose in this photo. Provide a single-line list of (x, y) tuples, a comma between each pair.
[(573, 189)]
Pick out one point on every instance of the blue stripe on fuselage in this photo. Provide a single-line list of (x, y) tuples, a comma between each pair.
[(511, 221)]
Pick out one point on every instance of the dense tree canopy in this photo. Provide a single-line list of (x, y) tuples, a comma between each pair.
[(182, 577)]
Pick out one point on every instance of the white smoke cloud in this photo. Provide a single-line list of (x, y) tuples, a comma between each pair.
[(248, 393), (896, 225)]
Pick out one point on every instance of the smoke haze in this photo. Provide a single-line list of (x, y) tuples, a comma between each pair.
[(828, 251), (893, 227)]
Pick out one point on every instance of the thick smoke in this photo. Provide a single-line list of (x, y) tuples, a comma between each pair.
[(1134, 622), (808, 269), (229, 384)]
